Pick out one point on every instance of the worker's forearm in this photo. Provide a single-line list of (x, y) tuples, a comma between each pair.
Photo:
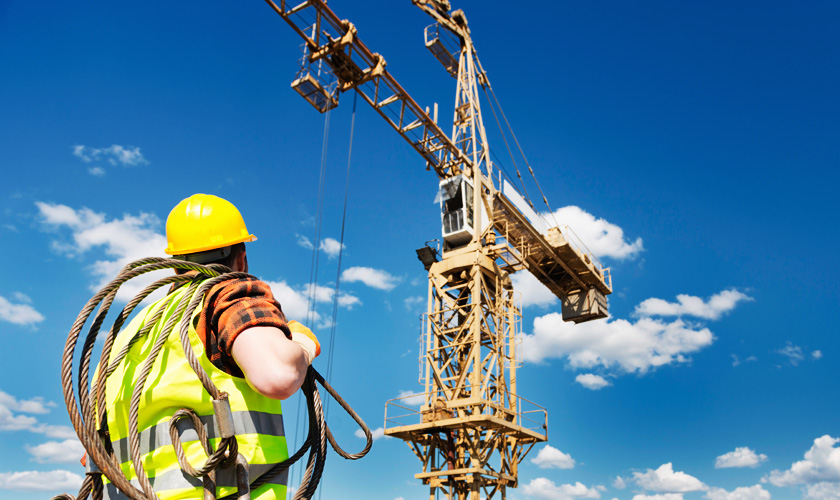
[(273, 365)]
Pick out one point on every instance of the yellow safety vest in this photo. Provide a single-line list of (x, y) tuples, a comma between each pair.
[(172, 385)]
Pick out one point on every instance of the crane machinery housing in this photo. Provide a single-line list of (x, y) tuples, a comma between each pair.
[(473, 427)]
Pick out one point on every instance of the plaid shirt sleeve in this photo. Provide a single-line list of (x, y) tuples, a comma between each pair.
[(230, 308)]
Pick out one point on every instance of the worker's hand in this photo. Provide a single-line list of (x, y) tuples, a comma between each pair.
[(306, 339)]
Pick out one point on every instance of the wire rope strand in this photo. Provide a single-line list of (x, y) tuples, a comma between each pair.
[(515, 140), (319, 433)]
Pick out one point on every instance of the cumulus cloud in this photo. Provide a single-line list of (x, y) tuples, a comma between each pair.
[(67, 451), (410, 398), (592, 381), (295, 300), (631, 347), (122, 240), (823, 490), (736, 361), (618, 483), (552, 458), (545, 488), (18, 314), (412, 303), (666, 480), (10, 421), (662, 496), (817, 354), (689, 305), (821, 463), (603, 238), (374, 278), (375, 433), (533, 292), (127, 156), (57, 480), (35, 405), (756, 492), (740, 457), (330, 246), (793, 353)]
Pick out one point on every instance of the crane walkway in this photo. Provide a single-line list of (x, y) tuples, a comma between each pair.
[(573, 275)]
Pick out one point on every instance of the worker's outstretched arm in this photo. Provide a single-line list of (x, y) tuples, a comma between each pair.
[(273, 364)]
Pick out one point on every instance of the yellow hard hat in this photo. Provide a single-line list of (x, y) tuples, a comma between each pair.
[(204, 222)]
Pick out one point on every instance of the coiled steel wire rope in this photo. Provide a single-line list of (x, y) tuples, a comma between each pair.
[(96, 441)]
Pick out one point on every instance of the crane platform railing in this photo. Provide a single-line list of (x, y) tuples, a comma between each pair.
[(522, 416)]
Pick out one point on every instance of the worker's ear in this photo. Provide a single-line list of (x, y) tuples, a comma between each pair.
[(241, 262)]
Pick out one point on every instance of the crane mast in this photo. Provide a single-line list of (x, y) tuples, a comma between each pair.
[(473, 428)]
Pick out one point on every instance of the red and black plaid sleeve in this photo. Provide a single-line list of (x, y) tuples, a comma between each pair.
[(231, 308)]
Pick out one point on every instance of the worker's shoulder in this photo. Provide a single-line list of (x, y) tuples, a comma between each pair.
[(246, 286)]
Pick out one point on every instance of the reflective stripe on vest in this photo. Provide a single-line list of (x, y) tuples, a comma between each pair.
[(172, 385)]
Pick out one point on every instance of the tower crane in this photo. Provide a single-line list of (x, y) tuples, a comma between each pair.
[(473, 428)]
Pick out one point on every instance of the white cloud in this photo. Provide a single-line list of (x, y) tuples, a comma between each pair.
[(332, 247), (374, 278), (410, 398), (127, 156), (12, 422), (618, 483), (663, 496), (412, 303), (96, 171), (689, 305), (329, 246), (822, 491), (35, 405), (533, 292), (793, 353), (9, 421), (741, 457), (822, 463), (375, 433), (55, 431), (295, 303), (552, 458), (19, 314), (57, 480), (603, 238), (67, 451), (817, 354), (736, 361), (304, 242), (756, 492), (617, 343), (123, 240), (545, 488), (592, 381), (665, 480)]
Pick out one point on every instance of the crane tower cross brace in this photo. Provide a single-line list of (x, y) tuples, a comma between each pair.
[(473, 428)]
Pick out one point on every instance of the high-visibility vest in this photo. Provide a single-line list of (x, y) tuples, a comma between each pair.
[(171, 385)]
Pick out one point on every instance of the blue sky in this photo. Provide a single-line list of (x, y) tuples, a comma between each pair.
[(693, 147)]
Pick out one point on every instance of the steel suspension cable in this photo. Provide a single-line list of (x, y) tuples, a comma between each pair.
[(515, 140)]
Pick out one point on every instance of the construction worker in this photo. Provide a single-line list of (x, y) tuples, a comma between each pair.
[(241, 338)]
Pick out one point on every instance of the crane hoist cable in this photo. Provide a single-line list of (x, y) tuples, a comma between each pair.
[(515, 140), (89, 410), (313, 269)]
